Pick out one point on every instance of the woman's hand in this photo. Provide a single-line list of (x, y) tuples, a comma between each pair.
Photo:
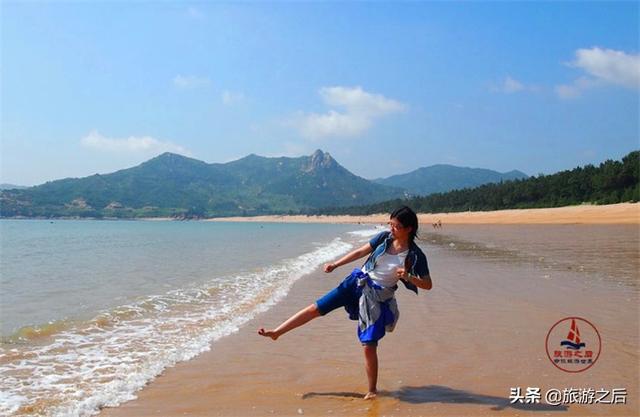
[(349, 257), (402, 273), (420, 282)]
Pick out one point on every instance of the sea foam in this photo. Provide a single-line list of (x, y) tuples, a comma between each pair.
[(105, 361)]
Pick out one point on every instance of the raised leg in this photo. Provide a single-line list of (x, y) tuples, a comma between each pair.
[(371, 364), (301, 317)]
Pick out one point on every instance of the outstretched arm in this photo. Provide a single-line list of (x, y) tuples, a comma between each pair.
[(349, 257)]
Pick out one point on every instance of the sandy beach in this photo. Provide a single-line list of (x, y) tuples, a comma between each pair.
[(458, 349), (623, 213)]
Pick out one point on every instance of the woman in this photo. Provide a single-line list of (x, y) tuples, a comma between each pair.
[(367, 293)]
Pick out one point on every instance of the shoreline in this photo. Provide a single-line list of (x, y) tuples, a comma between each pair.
[(621, 213)]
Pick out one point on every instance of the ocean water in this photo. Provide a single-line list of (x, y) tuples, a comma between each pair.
[(91, 311)]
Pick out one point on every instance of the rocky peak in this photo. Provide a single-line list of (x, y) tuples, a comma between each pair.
[(320, 160)]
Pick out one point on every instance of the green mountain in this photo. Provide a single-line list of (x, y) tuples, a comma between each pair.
[(443, 178), (608, 183), (177, 186)]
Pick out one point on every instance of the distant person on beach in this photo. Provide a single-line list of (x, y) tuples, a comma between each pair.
[(368, 293)]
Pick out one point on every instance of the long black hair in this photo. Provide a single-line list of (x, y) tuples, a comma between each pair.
[(407, 218)]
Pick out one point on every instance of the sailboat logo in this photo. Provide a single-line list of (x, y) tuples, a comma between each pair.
[(577, 350), (573, 338)]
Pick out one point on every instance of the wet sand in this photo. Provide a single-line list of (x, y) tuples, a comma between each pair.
[(623, 213), (457, 350)]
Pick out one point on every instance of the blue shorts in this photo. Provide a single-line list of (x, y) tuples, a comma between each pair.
[(346, 294)]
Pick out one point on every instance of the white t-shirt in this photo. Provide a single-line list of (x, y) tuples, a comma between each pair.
[(384, 273)]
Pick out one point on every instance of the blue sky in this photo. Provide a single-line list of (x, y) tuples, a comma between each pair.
[(384, 87)]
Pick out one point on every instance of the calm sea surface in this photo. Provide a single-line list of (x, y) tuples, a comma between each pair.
[(91, 311)]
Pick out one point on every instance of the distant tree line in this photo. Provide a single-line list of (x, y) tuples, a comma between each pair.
[(610, 182)]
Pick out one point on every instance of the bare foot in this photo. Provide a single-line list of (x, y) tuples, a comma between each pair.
[(370, 395), (268, 333)]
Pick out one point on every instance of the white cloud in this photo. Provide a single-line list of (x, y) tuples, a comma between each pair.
[(576, 88), (316, 126), (358, 112), (612, 66), (512, 86), (190, 81), (602, 66), (356, 100), (230, 98), (130, 145)]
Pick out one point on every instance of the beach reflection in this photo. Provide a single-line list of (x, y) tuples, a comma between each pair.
[(602, 252)]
